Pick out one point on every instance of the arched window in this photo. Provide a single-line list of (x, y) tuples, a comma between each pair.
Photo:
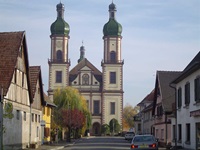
[(85, 79), (59, 55), (112, 56)]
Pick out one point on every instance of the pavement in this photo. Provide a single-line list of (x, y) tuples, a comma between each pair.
[(55, 145)]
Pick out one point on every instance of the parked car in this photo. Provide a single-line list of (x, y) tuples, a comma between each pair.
[(129, 136), (147, 142)]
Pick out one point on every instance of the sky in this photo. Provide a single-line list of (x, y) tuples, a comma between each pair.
[(157, 35)]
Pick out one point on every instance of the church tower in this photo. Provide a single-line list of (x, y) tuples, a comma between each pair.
[(59, 62), (112, 70)]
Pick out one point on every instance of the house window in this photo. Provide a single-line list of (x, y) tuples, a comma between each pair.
[(22, 79), (35, 117), (39, 118), (15, 78), (59, 55), (18, 114), (58, 76), (179, 97), (187, 94), (24, 116), (179, 133), (112, 77), (113, 56), (187, 132), (32, 117), (197, 89), (85, 79), (112, 108), (96, 107)]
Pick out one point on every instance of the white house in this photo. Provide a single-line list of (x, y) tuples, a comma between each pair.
[(188, 106), (14, 78)]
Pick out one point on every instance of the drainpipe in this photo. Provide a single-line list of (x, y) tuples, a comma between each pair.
[(175, 115)]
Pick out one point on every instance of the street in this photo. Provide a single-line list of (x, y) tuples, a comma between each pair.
[(101, 143)]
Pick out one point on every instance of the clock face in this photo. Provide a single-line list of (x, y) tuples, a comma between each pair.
[(59, 44)]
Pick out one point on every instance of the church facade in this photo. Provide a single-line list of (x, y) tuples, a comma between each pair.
[(103, 90)]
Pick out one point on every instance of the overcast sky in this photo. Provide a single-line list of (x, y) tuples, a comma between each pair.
[(157, 35)]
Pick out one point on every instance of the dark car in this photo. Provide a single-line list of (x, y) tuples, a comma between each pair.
[(144, 142)]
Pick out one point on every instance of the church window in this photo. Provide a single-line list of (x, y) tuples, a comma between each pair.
[(112, 77), (112, 108), (85, 79), (96, 107), (59, 55), (58, 76), (113, 56)]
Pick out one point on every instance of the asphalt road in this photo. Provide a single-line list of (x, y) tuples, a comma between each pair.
[(100, 143)]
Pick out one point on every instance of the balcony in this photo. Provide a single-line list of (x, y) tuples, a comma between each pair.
[(112, 62), (58, 61)]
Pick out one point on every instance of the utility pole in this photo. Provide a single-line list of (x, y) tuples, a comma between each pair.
[(1, 118)]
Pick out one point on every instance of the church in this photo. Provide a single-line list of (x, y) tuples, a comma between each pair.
[(103, 90)]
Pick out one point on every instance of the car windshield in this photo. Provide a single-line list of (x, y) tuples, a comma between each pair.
[(130, 133), (143, 139)]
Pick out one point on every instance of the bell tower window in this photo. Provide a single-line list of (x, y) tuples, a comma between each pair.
[(112, 77), (113, 56), (58, 76), (85, 79), (59, 55)]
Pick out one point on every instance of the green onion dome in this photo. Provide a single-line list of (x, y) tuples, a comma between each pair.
[(112, 27), (60, 26)]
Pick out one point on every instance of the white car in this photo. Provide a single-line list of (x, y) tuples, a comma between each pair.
[(144, 142), (129, 136)]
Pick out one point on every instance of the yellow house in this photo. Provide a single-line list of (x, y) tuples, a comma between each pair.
[(46, 119)]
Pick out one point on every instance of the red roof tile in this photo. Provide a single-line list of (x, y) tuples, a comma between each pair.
[(10, 43)]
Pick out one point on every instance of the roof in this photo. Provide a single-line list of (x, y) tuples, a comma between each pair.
[(148, 98), (75, 71), (35, 75), (163, 80), (48, 102), (191, 67), (10, 46)]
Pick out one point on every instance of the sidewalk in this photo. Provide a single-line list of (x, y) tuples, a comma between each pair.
[(54, 146)]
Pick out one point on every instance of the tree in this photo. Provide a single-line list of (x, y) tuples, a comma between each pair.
[(114, 126), (105, 129), (71, 111), (128, 113)]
